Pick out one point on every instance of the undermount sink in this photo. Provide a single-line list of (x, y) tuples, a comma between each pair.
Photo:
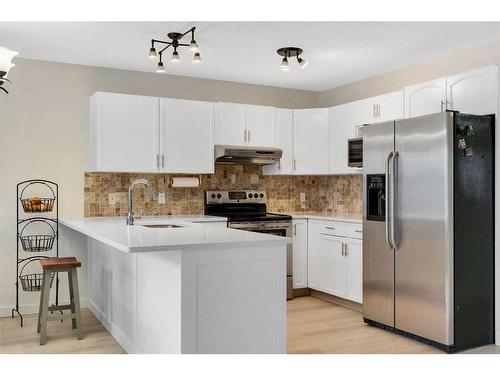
[(162, 226)]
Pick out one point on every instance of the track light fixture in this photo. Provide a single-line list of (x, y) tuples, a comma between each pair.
[(5, 66), (175, 44), (288, 52)]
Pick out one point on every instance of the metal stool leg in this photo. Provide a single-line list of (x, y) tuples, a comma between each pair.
[(45, 306), (40, 306), (71, 298), (76, 303)]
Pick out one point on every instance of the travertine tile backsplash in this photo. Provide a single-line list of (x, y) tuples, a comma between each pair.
[(106, 193)]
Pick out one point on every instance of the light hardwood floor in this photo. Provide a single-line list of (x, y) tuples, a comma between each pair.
[(314, 326)]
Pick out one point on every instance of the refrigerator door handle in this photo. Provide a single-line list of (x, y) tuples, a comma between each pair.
[(393, 203), (388, 219)]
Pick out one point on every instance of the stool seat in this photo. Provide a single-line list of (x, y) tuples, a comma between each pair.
[(60, 263)]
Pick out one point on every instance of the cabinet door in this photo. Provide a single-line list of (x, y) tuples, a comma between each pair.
[(425, 98), (230, 124), (473, 92), (310, 141), (342, 126), (124, 133), (354, 259), (299, 253), (333, 265), (284, 141), (187, 129), (390, 106), (364, 111), (260, 125)]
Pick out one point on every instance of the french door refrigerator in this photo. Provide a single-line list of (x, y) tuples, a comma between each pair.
[(428, 250)]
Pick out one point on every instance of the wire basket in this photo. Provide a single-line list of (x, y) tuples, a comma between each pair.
[(37, 204), (37, 242), (32, 282)]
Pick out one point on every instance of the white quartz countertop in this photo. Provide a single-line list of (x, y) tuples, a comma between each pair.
[(349, 218), (193, 234)]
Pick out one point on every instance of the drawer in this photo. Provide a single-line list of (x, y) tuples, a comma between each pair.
[(337, 228)]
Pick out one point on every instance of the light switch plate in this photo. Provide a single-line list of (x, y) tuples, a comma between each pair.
[(161, 198)]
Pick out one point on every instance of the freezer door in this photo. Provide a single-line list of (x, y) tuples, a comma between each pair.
[(378, 257), (423, 233)]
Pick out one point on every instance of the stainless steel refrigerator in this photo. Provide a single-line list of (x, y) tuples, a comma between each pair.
[(428, 255)]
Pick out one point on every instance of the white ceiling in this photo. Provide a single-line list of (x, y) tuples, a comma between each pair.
[(338, 52)]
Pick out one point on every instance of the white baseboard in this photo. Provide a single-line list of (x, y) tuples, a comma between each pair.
[(32, 308)]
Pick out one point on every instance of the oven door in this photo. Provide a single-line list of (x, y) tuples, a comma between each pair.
[(280, 228)]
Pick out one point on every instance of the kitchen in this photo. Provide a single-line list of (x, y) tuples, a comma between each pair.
[(221, 156)]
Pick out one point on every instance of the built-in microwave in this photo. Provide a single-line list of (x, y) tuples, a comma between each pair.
[(355, 152)]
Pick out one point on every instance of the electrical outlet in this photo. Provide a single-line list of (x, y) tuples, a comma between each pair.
[(161, 198), (302, 197), (113, 198)]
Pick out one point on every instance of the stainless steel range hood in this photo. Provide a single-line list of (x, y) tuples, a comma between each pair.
[(246, 155)]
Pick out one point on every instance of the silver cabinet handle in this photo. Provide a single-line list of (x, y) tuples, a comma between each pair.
[(158, 160), (279, 164), (294, 164), (294, 229), (378, 110), (442, 106), (373, 110), (332, 228), (393, 199), (245, 135), (249, 135), (387, 195), (163, 161), (358, 231), (345, 250)]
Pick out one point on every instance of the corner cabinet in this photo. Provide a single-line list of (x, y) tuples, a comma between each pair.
[(187, 136), (124, 132), (310, 141), (244, 125), (132, 133)]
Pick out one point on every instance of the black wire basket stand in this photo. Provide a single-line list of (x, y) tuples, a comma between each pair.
[(42, 212)]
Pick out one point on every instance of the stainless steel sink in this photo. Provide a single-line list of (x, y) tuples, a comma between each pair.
[(162, 226)]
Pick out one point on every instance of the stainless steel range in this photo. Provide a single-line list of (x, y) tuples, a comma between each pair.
[(247, 210)]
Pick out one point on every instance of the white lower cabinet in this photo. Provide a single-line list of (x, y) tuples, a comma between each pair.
[(299, 253), (335, 261)]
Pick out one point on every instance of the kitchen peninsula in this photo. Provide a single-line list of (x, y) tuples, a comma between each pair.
[(185, 284)]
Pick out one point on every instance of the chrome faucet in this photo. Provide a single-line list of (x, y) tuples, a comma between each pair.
[(151, 191)]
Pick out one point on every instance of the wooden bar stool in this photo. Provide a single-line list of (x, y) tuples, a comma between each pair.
[(49, 266)]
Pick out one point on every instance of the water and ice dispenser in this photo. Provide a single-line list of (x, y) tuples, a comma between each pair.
[(375, 200)]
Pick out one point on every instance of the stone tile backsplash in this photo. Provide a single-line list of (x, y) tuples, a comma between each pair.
[(106, 193)]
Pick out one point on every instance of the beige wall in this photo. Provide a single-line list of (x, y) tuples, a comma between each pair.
[(482, 55), (44, 132)]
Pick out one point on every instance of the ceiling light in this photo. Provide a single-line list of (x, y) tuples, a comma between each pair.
[(152, 54), (303, 63), (197, 58), (175, 43), (287, 52), (175, 58), (5, 65), (193, 46), (284, 64), (160, 68)]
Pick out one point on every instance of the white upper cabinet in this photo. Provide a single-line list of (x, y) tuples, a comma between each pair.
[(425, 98), (389, 106), (310, 141), (260, 125), (284, 141), (230, 124), (342, 127), (187, 129), (244, 125), (473, 92), (124, 133)]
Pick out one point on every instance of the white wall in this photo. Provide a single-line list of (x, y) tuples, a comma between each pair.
[(44, 133)]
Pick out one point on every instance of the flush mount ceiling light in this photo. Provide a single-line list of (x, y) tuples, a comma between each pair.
[(288, 52), (5, 65), (174, 43)]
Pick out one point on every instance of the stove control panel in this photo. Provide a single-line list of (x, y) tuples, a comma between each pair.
[(235, 196)]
